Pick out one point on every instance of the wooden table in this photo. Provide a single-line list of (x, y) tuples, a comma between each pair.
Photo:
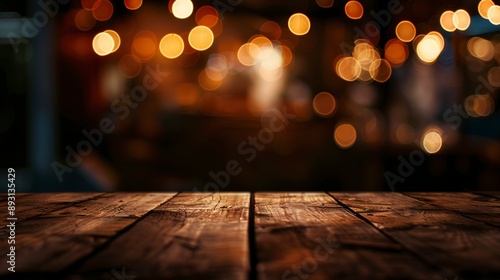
[(291, 236)]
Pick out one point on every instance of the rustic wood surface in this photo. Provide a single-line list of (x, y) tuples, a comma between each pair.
[(278, 235)]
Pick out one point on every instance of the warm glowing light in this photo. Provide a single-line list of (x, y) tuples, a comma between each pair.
[(88, 4), (186, 94), (481, 48), (483, 7), (324, 104), (216, 67), (286, 53), (348, 68), (299, 24), (479, 105), (324, 3), (461, 20), (103, 44), (354, 10), (345, 135), (206, 15), (270, 58), (84, 20), (247, 54), (430, 47), (201, 38), (207, 83), (405, 31), (446, 21), (494, 76), (144, 45), (129, 66), (171, 46), (102, 10), (133, 4), (432, 142), (116, 39), (271, 30), (494, 14), (365, 54), (182, 8), (380, 70), (396, 52)]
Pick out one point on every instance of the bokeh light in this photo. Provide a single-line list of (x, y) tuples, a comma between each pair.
[(129, 66), (483, 8), (494, 76), (461, 19), (430, 47), (247, 54), (84, 20), (479, 105), (207, 83), (481, 48), (171, 46), (345, 135), (299, 24), (494, 14), (182, 9), (103, 44), (432, 142), (354, 10), (348, 68), (405, 31), (380, 70), (102, 10), (324, 3), (201, 38), (324, 104), (133, 4), (144, 45), (446, 21), (116, 39), (396, 52), (206, 15), (271, 30)]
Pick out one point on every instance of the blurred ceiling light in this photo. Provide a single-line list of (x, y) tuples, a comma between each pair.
[(446, 21), (299, 24), (432, 142), (461, 19), (405, 31), (354, 10), (483, 7), (103, 44), (494, 14), (102, 10), (171, 46), (201, 38), (133, 4), (345, 135), (324, 3), (182, 9), (324, 104), (430, 47)]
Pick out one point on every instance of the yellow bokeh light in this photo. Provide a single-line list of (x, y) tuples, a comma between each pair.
[(479, 105), (299, 24), (286, 53), (348, 68), (494, 14), (430, 47), (324, 104), (182, 9), (483, 7), (461, 20), (133, 4), (103, 44), (201, 38), (432, 142), (247, 54), (405, 31), (345, 135), (481, 48), (354, 10), (171, 45), (446, 21), (380, 70), (494, 76), (207, 83), (144, 45), (116, 39)]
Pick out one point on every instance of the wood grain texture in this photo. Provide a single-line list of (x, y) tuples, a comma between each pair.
[(481, 208), (193, 236), (310, 236), (466, 247), (53, 241)]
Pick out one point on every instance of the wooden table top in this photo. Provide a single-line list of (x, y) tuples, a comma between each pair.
[(291, 236)]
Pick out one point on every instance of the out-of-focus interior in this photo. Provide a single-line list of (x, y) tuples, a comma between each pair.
[(254, 95)]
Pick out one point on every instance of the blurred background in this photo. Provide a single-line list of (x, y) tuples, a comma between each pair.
[(256, 95)]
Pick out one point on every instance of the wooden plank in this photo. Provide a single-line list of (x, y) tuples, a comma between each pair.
[(481, 208), (54, 241), (310, 236), (193, 236), (28, 206), (469, 248)]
